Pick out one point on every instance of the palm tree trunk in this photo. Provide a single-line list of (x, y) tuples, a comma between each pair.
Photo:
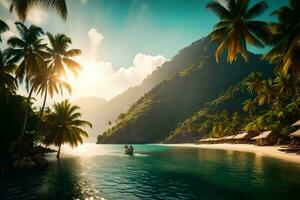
[(42, 111), (254, 122), (20, 139), (277, 115), (58, 152)]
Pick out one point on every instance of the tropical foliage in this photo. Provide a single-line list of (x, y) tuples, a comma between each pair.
[(238, 27), (22, 7), (39, 66), (286, 45), (3, 28), (64, 126)]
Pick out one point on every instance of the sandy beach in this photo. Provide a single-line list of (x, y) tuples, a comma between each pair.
[(271, 151)]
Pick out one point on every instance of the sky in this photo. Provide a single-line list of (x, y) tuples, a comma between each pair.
[(123, 41)]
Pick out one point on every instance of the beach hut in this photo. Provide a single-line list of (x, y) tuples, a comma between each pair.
[(205, 140), (202, 141), (244, 137), (297, 123), (228, 139), (266, 138), (295, 136)]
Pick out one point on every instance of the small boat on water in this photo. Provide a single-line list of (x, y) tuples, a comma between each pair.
[(128, 150)]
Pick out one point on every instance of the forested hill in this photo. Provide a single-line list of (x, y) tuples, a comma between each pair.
[(157, 113), (102, 114)]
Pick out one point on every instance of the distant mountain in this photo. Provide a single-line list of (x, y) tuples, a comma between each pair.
[(101, 114), (157, 113)]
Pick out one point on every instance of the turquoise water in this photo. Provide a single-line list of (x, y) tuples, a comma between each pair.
[(156, 172)]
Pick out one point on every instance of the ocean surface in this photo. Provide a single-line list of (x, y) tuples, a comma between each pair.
[(155, 172)]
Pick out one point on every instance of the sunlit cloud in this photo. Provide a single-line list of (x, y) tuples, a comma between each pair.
[(37, 15), (99, 78), (95, 40)]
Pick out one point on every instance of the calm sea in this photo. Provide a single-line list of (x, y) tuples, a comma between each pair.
[(156, 172)]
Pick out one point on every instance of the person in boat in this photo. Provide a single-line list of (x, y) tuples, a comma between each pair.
[(126, 146), (131, 148)]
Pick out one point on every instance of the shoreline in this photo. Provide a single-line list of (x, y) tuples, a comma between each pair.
[(269, 151)]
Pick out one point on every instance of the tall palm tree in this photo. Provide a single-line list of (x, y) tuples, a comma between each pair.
[(254, 82), (266, 94), (249, 106), (60, 56), (47, 82), (65, 126), (238, 27), (22, 7), (3, 28), (278, 105), (285, 86), (8, 82), (286, 49), (27, 50)]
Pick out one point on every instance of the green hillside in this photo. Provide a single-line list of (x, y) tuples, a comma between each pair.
[(157, 113)]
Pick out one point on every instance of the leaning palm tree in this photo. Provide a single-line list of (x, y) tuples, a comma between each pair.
[(22, 7), (64, 126), (238, 27), (3, 28), (8, 82), (286, 49), (27, 50), (249, 106), (47, 82), (60, 56)]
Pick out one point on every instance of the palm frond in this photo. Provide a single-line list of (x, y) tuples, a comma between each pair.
[(256, 10)]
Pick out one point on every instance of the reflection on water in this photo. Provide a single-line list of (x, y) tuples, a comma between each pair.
[(155, 172)]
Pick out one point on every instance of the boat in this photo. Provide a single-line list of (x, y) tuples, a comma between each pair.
[(128, 151)]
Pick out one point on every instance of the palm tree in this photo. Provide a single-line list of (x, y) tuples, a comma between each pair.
[(238, 27), (265, 95), (249, 106), (27, 50), (8, 82), (60, 56), (22, 7), (285, 86), (3, 28), (286, 38), (64, 126), (47, 82), (277, 105), (254, 82)]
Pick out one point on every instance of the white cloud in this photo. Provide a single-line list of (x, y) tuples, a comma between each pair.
[(99, 78), (37, 15), (95, 36), (95, 39)]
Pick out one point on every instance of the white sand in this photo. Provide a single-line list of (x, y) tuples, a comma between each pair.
[(271, 151)]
